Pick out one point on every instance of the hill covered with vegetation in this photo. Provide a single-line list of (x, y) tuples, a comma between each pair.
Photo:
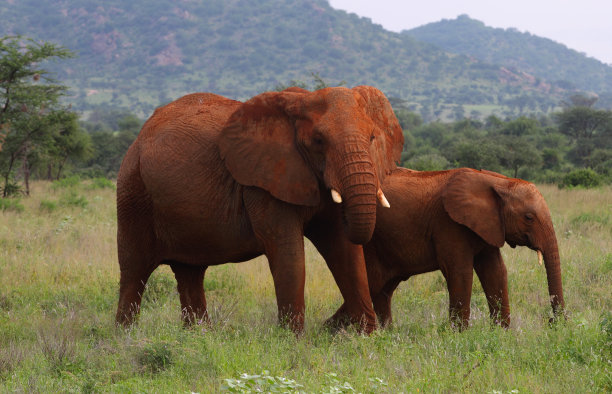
[(540, 57), (141, 54)]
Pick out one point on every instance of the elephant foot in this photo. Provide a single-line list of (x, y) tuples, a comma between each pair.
[(342, 320), (294, 322), (125, 317), (191, 318)]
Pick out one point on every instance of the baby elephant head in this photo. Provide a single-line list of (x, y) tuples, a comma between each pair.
[(501, 209)]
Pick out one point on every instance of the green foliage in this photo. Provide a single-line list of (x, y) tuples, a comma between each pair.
[(111, 132), (48, 206), (66, 183), (102, 183), (547, 60), (11, 204), (427, 162), (72, 199), (35, 127), (527, 147), (584, 177), (11, 188), (125, 62)]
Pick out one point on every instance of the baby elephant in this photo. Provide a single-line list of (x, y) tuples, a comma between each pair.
[(456, 221)]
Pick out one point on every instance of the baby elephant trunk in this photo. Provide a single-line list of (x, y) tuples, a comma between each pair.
[(552, 263)]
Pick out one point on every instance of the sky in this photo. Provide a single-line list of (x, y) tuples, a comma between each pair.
[(582, 25)]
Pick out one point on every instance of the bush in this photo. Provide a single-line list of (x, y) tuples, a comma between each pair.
[(66, 182), (584, 177), (48, 206), (427, 162), (12, 189), (102, 183), (73, 199), (8, 204)]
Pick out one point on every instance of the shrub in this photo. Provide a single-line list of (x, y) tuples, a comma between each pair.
[(48, 206), (102, 183), (427, 162), (8, 204), (584, 177), (12, 189), (66, 182), (72, 198)]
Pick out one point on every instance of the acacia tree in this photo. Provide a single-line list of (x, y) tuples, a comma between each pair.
[(588, 128), (30, 106)]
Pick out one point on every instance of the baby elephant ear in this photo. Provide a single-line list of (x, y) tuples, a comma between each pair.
[(470, 199), (259, 149)]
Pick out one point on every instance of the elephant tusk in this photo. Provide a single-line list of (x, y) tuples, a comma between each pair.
[(336, 196), (383, 200), (540, 257)]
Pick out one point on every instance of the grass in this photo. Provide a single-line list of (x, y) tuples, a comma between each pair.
[(58, 294)]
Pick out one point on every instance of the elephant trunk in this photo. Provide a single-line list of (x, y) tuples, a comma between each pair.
[(359, 185), (552, 262)]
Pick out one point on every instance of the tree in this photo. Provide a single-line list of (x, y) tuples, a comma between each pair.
[(517, 152), (70, 142), (29, 103), (588, 128), (583, 122)]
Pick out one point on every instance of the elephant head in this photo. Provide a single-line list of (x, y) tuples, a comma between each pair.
[(297, 143), (501, 209)]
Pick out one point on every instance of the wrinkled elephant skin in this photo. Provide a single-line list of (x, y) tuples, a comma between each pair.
[(211, 180), (456, 221)]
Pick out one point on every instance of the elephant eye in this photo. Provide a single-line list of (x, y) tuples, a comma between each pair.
[(317, 140), (372, 137), (529, 217)]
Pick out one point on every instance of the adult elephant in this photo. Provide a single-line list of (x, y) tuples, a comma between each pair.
[(211, 180), (456, 221)]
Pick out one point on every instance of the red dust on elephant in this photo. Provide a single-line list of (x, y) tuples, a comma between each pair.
[(211, 180)]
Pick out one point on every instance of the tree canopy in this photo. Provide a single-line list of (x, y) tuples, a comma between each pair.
[(36, 128)]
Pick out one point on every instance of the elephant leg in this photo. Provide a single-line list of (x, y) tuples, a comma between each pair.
[(347, 265), (131, 286), (135, 240), (459, 277), (491, 270), (287, 265), (382, 302), (279, 228), (190, 280)]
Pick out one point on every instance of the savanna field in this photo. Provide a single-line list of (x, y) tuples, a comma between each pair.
[(59, 288)]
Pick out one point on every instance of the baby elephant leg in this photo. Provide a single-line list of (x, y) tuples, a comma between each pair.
[(491, 271)]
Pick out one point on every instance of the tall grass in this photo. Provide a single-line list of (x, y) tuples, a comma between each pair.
[(58, 294)]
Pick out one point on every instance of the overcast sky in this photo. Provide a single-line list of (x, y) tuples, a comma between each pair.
[(582, 25)]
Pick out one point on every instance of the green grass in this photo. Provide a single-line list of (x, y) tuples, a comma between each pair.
[(58, 294)]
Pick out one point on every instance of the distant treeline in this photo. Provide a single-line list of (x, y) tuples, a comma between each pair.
[(544, 149)]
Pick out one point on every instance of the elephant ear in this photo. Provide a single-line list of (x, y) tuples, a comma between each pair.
[(259, 149), (386, 148), (470, 199)]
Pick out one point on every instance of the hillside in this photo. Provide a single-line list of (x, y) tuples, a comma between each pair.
[(143, 53), (540, 57)]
